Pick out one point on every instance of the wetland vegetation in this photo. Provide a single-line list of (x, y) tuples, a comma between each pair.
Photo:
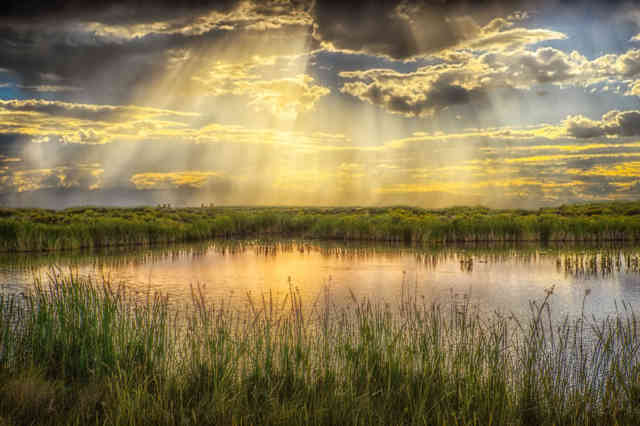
[(86, 227), (81, 352), (76, 350)]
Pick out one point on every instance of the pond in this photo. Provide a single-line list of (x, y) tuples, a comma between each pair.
[(497, 277)]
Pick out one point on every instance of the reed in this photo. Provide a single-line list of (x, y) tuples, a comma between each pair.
[(75, 351), (91, 227)]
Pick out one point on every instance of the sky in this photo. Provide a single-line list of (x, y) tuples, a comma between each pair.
[(428, 103)]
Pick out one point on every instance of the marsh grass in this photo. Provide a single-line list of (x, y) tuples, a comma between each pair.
[(91, 227), (75, 351)]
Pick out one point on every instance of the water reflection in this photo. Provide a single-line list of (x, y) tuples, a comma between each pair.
[(504, 277)]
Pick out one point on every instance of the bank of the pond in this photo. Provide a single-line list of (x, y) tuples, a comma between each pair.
[(76, 352), (88, 227)]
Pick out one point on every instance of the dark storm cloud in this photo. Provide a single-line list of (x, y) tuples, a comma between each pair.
[(109, 12), (39, 37), (118, 11), (115, 47), (380, 28), (406, 29), (398, 29), (106, 70), (97, 46)]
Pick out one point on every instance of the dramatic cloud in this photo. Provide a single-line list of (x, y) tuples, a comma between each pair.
[(259, 16), (613, 123), (81, 48), (435, 87), (407, 30), (466, 77), (317, 102)]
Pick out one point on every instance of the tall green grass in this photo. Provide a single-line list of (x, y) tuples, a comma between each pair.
[(90, 227), (73, 351)]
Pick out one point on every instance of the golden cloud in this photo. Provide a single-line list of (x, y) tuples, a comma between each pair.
[(76, 176), (284, 97), (170, 180), (248, 15), (557, 158), (44, 121), (624, 169), (49, 121), (499, 36)]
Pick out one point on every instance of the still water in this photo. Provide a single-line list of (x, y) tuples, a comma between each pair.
[(503, 278)]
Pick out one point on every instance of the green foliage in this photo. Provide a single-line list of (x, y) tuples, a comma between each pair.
[(76, 352), (90, 227)]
